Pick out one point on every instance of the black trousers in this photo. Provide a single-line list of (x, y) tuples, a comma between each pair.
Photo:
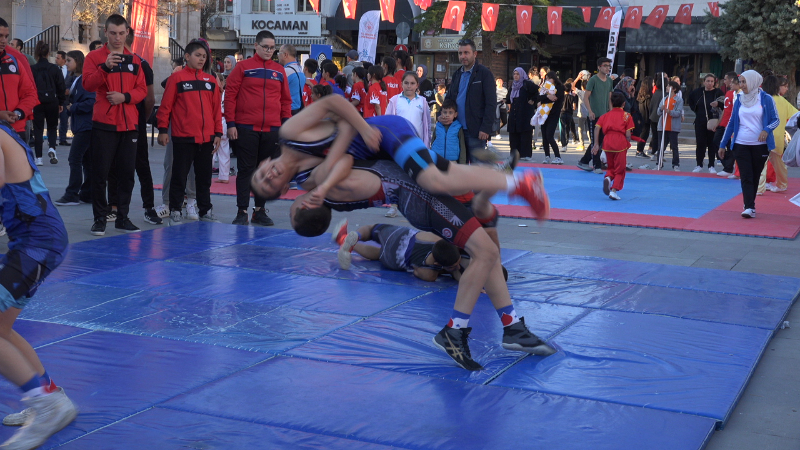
[(183, 156), (751, 160), (549, 134), (587, 156), (142, 172), (252, 147), (522, 142), (729, 159), (567, 125), (705, 144), (79, 187), (646, 128), (112, 151), (671, 139), (45, 112)]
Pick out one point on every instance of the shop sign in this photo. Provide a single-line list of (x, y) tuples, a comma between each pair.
[(281, 24), (445, 43)]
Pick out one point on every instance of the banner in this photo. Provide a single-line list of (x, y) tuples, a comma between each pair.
[(604, 19), (315, 5), (321, 52), (425, 4), (524, 13), (454, 16), (613, 37), (633, 19), (554, 19), (349, 8), (657, 16), (489, 16), (387, 10), (587, 13), (143, 21), (684, 15), (368, 35), (714, 8)]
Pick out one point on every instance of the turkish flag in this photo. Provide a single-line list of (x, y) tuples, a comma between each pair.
[(387, 10), (524, 13), (554, 19), (425, 4), (587, 13), (714, 7), (454, 16), (657, 16), (604, 19), (489, 16), (349, 7), (634, 17), (684, 15), (315, 5)]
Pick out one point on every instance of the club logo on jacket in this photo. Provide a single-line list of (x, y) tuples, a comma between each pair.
[(208, 86), (187, 86), (12, 68), (130, 67)]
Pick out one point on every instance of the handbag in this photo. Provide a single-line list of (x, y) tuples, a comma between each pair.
[(712, 124)]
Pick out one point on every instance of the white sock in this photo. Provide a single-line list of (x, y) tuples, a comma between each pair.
[(511, 183)]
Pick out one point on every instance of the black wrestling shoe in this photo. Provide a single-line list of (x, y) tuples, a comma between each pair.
[(151, 216), (125, 224), (454, 342), (261, 218), (241, 218), (518, 337), (99, 227)]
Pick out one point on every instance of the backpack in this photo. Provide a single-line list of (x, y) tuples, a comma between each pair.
[(44, 84)]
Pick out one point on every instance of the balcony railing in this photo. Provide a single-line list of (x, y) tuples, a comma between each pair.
[(51, 36)]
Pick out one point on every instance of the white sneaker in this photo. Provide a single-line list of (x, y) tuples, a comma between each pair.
[(191, 210), (772, 189), (712, 170), (770, 186), (391, 213), (676, 168), (546, 160), (558, 161), (162, 211), (722, 173), (697, 169), (39, 162), (749, 213), (17, 419), (50, 413), (52, 154), (208, 217), (613, 195), (498, 137), (733, 177), (607, 185), (345, 258), (718, 163), (174, 218), (653, 157)]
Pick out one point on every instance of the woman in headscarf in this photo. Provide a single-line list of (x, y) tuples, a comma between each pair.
[(750, 129), (426, 86), (522, 103), (229, 64)]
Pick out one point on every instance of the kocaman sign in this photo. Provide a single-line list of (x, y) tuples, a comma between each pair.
[(282, 24)]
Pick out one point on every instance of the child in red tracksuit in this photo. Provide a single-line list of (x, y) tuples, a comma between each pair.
[(616, 125), (192, 105)]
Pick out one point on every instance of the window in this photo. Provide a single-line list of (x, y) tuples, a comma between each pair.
[(304, 6), (267, 6), (172, 7)]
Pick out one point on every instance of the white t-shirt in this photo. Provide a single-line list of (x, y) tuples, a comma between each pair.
[(750, 125), (411, 110)]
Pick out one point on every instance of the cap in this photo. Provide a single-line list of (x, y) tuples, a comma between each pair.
[(353, 54)]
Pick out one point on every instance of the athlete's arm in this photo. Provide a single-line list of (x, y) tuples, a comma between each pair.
[(340, 171), (425, 274), (310, 116)]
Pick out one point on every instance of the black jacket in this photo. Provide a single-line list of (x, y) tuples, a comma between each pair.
[(700, 101), (481, 99), (520, 111), (44, 68)]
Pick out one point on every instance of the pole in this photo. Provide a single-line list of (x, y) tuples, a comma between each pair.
[(664, 113)]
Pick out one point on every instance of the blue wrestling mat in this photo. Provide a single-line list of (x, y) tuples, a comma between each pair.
[(212, 336)]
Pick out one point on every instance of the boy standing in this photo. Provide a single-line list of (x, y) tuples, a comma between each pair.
[(672, 107), (616, 126), (448, 136)]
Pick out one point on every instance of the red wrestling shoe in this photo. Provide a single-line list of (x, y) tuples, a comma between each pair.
[(530, 186), (339, 232)]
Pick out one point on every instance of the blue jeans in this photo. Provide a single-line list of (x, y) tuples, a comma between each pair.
[(474, 144)]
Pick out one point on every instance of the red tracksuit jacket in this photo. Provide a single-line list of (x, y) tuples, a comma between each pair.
[(257, 95), (193, 97), (17, 88), (125, 78)]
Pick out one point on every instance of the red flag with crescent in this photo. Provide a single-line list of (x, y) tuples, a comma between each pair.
[(657, 16), (315, 5), (714, 8), (489, 16), (349, 7), (587, 13), (554, 19), (604, 19), (387, 10), (454, 16), (684, 15), (425, 4), (524, 13), (634, 18)]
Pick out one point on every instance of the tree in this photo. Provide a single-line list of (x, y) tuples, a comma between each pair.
[(506, 29), (766, 32)]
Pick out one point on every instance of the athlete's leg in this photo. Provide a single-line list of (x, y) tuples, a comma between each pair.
[(368, 251), (8, 334)]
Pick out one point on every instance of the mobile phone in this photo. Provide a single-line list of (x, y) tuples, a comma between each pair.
[(126, 59)]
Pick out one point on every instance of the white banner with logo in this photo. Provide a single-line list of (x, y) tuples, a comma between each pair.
[(613, 37), (368, 35)]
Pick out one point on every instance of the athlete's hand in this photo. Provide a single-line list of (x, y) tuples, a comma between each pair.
[(163, 138), (373, 139), (233, 134), (113, 60), (315, 198), (217, 140)]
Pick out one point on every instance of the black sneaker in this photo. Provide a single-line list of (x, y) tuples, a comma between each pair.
[(261, 218), (66, 201), (125, 224), (151, 216), (454, 342), (99, 227), (518, 337), (241, 218)]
